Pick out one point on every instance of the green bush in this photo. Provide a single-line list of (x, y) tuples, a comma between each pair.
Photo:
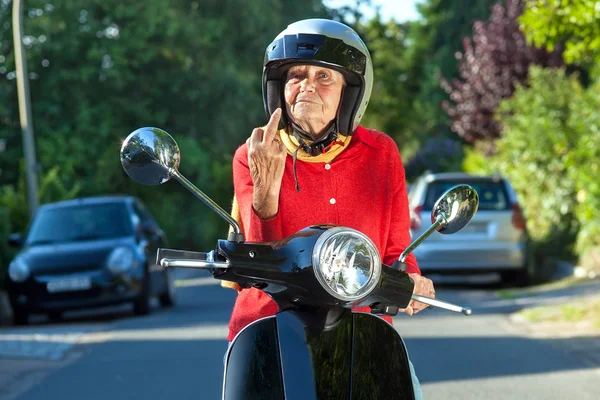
[(50, 188), (585, 169), (475, 160), (14, 209), (535, 153), (550, 151), (6, 253)]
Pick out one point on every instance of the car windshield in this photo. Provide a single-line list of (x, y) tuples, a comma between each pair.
[(492, 194), (81, 222)]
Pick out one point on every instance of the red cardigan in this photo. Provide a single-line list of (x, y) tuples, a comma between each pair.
[(363, 188)]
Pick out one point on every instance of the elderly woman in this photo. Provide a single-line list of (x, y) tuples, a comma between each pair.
[(313, 163)]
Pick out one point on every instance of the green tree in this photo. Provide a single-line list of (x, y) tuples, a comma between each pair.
[(576, 23), (390, 100), (436, 40), (584, 168), (100, 69), (494, 61), (5, 252), (537, 153), (433, 43), (409, 58), (550, 150)]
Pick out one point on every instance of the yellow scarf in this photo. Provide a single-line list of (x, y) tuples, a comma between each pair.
[(291, 144)]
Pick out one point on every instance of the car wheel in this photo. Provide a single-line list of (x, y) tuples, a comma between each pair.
[(167, 299), (55, 316), (142, 305), (20, 317), (519, 277)]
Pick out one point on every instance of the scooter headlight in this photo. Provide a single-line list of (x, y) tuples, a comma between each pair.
[(346, 263)]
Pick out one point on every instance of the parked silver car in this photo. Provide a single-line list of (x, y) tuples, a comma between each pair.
[(494, 241)]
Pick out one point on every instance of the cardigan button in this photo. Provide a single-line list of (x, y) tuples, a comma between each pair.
[(332, 200), (327, 166)]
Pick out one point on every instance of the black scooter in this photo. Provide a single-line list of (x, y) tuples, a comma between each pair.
[(316, 347)]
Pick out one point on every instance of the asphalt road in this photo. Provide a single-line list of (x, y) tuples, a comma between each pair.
[(178, 353)]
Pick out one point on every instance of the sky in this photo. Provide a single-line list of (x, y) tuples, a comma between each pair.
[(400, 10)]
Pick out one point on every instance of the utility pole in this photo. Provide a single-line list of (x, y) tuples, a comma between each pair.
[(25, 108)]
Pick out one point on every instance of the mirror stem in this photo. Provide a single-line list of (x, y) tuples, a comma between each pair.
[(236, 235), (440, 221)]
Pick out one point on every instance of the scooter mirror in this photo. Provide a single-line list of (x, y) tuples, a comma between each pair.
[(455, 208), (150, 156)]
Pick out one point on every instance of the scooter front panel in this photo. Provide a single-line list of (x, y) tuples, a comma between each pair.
[(253, 368), (380, 368), (360, 356), (316, 363)]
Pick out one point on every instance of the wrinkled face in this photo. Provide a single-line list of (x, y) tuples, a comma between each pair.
[(312, 96)]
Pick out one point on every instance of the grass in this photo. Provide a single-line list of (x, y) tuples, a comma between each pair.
[(578, 311), (511, 294)]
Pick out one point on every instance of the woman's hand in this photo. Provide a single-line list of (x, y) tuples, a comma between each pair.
[(424, 287), (266, 160)]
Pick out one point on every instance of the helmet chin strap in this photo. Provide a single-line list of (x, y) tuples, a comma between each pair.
[(319, 145), (316, 147)]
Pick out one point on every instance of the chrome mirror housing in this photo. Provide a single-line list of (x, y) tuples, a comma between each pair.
[(150, 156), (451, 212), (455, 208)]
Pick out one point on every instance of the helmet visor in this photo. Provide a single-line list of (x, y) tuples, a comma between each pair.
[(316, 48)]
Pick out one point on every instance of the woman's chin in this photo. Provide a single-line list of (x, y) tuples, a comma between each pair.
[(305, 109)]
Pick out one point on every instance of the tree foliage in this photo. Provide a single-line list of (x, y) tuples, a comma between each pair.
[(494, 61), (536, 149), (584, 168), (409, 58), (431, 45), (435, 39), (576, 24), (100, 69), (550, 151), (390, 98)]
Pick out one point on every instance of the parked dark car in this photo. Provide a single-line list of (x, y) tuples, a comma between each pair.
[(87, 253)]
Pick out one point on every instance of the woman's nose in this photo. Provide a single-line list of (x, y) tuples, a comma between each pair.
[(307, 85)]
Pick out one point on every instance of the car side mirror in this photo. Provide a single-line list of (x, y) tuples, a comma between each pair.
[(148, 227), (15, 239)]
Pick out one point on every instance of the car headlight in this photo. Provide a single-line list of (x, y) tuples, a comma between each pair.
[(18, 270), (346, 263), (120, 260)]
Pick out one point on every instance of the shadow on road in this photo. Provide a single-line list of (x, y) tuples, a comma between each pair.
[(490, 357), (140, 369)]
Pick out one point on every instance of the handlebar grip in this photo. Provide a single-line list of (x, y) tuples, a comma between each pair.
[(179, 255)]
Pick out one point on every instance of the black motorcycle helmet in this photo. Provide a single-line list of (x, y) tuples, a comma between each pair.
[(326, 43)]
